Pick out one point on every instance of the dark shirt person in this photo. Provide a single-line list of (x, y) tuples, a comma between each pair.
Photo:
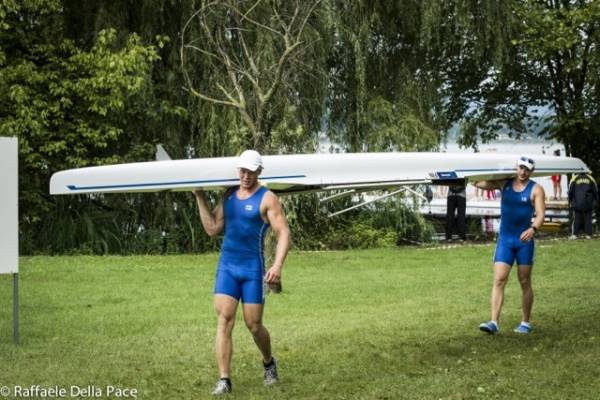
[(520, 197), (456, 206), (245, 213), (583, 197)]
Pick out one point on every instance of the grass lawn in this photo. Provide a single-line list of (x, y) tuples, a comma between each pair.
[(378, 324)]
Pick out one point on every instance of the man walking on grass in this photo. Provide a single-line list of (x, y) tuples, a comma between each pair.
[(245, 213), (520, 197)]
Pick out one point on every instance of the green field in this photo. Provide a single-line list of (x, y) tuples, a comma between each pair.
[(379, 324)]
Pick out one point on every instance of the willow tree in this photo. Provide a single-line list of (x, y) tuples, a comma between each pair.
[(535, 70), (464, 43), (383, 95), (252, 55)]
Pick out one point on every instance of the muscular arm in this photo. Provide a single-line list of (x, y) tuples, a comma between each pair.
[(490, 185), (539, 203), (279, 225), (212, 221)]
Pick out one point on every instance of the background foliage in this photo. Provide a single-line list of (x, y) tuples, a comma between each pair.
[(89, 83)]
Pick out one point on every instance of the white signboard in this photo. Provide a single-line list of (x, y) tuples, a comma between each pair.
[(9, 206)]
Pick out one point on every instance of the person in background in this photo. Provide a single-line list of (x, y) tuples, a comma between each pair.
[(479, 194), (556, 186), (583, 197), (456, 206), (490, 194)]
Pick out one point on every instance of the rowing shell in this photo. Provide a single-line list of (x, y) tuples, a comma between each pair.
[(306, 172)]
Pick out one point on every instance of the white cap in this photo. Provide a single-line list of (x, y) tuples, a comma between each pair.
[(250, 160), (526, 162)]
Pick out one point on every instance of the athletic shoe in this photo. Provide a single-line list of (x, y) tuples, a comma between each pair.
[(489, 327), (523, 329), (223, 386), (270, 376)]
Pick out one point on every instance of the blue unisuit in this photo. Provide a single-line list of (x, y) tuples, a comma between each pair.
[(516, 211), (241, 265)]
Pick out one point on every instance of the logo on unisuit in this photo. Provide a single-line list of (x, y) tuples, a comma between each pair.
[(248, 207)]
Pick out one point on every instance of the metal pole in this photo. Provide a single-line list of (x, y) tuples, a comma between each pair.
[(335, 196), (367, 202), (16, 308)]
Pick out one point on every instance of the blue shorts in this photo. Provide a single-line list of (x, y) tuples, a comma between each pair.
[(509, 249), (240, 283)]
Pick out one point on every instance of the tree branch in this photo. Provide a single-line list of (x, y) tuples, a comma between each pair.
[(253, 21)]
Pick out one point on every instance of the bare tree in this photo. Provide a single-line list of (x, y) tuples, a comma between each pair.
[(249, 50)]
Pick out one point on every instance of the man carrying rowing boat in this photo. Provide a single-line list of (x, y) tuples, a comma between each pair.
[(520, 197), (245, 214)]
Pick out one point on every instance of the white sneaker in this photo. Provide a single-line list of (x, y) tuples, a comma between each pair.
[(270, 375), (222, 387)]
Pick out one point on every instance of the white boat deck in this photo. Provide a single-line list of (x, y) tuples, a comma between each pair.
[(555, 210)]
